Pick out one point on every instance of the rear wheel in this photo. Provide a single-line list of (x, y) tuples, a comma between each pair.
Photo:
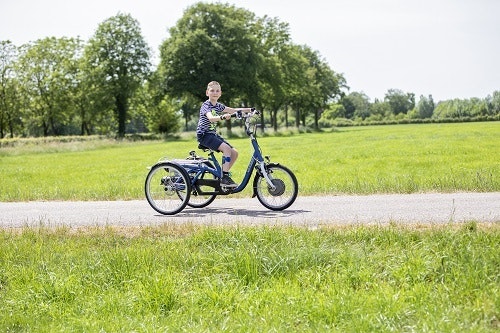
[(285, 188), (167, 188)]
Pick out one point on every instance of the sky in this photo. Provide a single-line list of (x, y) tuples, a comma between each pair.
[(444, 48)]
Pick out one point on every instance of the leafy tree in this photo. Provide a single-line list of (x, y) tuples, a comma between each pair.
[(312, 84), (461, 108), (294, 65), (494, 103), (425, 107), (47, 73), (333, 111), (478, 107), (349, 107), (274, 38), (361, 103), (329, 85), (444, 109), (211, 42), (93, 106), (380, 110), (189, 107), (9, 90), (399, 101), (168, 112), (120, 62)]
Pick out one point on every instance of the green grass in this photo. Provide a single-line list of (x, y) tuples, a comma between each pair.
[(261, 279), (257, 279), (357, 160)]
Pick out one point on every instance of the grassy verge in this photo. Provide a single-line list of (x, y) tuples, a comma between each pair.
[(360, 160), (195, 279)]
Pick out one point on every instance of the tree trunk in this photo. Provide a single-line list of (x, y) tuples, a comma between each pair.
[(121, 109), (286, 116), (275, 119)]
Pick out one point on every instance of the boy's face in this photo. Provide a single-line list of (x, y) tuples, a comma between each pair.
[(214, 92)]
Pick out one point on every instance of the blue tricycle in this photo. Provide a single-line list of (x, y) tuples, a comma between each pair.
[(171, 185)]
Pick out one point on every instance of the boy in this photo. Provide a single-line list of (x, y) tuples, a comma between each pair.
[(211, 112)]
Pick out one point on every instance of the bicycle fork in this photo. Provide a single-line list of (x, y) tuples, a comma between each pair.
[(262, 167)]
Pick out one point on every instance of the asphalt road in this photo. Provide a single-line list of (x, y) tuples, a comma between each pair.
[(306, 211)]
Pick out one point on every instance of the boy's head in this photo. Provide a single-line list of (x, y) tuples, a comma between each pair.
[(213, 84), (214, 91)]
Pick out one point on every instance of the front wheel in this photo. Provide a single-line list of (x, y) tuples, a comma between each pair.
[(285, 189), (167, 188)]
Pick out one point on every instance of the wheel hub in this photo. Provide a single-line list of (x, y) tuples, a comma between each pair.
[(279, 187)]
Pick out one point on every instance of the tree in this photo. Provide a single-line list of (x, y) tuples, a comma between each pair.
[(399, 101), (47, 73), (274, 38), (425, 107), (305, 86), (348, 106), (93, 106), (333, 111), (120, 62), (189, 108), (494, 103), (294, 65), (311, 83), (161, 116), (9, 90), (361, 103), (380, 110), (211, 42), (329, 84)]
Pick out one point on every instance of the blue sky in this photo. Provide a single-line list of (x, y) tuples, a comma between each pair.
[(444, 48)]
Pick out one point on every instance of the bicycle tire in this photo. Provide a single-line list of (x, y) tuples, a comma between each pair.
[(167, 188), (286, 187)]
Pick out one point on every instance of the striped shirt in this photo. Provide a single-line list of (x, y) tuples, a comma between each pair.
[(204, 125)]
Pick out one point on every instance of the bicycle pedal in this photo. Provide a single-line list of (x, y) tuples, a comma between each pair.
[(226, 188)]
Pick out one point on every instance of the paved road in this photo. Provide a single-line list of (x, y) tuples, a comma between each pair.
[(306, 211)]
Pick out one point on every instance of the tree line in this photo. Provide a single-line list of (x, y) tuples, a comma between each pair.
[(401, 107), (108, 84)]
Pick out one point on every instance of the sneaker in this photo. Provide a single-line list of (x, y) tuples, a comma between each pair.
[(226, 181)]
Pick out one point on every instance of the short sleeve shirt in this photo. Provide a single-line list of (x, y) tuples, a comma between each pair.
[(204, 125)]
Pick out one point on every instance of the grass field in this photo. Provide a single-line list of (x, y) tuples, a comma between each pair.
[(357, 160), (389, 278), (195, 279)]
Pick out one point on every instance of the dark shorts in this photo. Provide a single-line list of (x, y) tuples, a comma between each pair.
[(211, 140)]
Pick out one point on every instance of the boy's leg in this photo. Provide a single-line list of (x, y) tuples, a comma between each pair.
[(229, 156), (216, 142)]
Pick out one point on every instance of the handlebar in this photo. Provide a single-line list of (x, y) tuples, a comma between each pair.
[(247, 116), (240, 114)]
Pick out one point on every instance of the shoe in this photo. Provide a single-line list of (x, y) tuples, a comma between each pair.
[(226, 181)]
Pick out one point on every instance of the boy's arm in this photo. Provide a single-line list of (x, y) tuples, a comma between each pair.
[(227, 112), (215, 118), (233, 110)]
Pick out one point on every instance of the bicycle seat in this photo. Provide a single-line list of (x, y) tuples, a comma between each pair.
[(202, 147)]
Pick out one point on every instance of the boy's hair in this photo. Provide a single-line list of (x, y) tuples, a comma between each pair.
[(212, 84)]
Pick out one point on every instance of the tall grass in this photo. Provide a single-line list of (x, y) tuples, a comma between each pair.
[(361, 160), (195, 279)]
